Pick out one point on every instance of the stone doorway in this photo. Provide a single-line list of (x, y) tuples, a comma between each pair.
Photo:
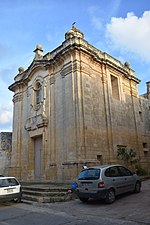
[(37, 158)]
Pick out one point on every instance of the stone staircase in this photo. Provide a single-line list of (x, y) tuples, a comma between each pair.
[(46, 193)]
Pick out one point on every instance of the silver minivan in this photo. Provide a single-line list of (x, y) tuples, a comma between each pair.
[(106, 182)]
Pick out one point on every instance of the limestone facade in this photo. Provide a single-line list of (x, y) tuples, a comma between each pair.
[(5, 151), (75, 106)]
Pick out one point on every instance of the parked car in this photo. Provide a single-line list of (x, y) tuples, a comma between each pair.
[(10, 189), (106, 182)]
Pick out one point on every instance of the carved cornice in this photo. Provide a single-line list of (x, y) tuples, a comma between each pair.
[(133, 92), (66, 70), (17, 97), (26, 75), (57, 58), (52, 80)]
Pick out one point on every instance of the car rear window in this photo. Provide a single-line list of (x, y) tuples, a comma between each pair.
[(8, 182), (4, 183), (89, 174)]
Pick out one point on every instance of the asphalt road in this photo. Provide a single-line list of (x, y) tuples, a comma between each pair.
[(129, 209)]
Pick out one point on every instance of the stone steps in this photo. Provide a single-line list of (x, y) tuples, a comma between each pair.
[(44, 193)]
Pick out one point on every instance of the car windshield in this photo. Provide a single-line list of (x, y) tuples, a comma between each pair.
[(89, 174)]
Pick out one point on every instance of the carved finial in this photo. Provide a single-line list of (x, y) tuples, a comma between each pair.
[(74, 32), (38, 52), (21, 69), (127, 64)]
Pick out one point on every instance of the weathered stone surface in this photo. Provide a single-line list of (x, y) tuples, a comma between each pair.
[(5, 151)]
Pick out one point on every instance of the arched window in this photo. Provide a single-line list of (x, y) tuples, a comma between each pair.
[(38, 93)]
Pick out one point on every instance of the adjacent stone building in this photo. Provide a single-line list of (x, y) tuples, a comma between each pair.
[(5, 152), (76, 106)]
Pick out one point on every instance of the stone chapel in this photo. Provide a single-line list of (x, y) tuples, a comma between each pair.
[(75, 106)]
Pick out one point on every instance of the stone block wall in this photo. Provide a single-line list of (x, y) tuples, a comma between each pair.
[(5, 151)]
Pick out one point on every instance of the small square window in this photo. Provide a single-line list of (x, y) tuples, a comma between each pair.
[(145, 145), (100, 158)]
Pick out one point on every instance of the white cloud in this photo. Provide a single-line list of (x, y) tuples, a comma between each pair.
[(6, 106), (6, 116), (102, 12), (131, 34), (95, 13)]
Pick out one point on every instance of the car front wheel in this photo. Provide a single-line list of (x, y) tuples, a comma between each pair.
[(137, 188), (110, 196)]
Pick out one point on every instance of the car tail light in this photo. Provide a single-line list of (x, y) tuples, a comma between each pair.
[(101, 184)]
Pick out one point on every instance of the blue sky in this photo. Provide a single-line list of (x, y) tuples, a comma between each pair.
[(119, 27)]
